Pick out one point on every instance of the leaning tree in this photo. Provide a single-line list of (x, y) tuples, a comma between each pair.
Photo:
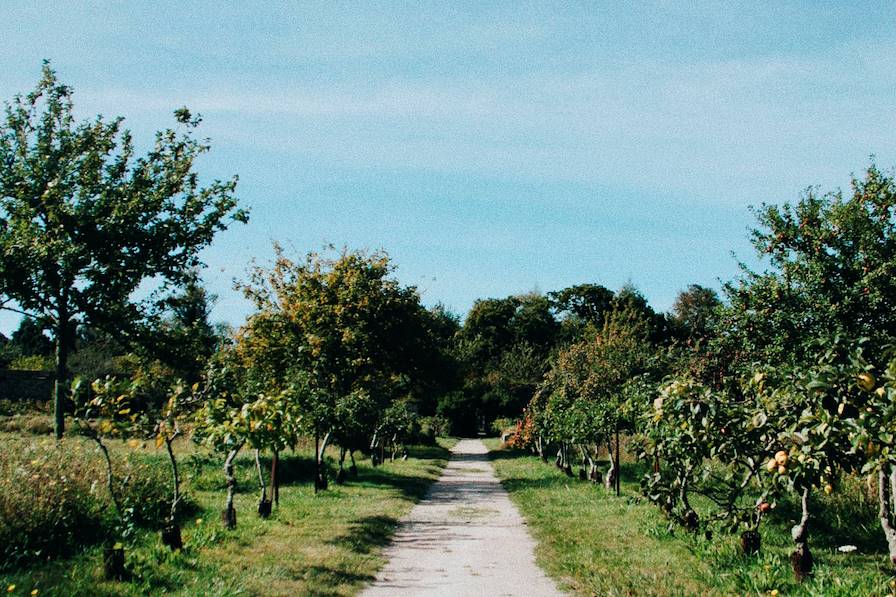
[(85, 222)]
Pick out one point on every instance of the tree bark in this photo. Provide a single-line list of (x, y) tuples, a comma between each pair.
[(320, 447), (353, 469), (175, 476), (885, 497), (60, 388), (261, 483), (110, 478), (373, 446), (275, 482), (610, 480), (340, 474), (616, 464), (229, 514), (801, 558)]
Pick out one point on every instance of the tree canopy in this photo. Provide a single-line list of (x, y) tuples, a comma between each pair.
[(84, 221)]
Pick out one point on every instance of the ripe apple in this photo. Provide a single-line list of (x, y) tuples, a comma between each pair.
[(866, 381)]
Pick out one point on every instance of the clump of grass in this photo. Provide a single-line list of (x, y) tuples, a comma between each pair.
[(54, 498), (34, 424), (48, 503)]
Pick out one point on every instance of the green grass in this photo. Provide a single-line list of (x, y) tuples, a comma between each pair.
[(594, 543), (324, 544)]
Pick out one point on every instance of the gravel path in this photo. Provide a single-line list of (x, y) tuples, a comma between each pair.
[(464, 538)]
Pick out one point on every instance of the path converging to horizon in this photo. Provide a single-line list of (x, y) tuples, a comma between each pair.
[(464, 538)]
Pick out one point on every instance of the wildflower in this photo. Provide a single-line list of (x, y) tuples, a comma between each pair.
[(10, 588), (773, 592), (34, 591)]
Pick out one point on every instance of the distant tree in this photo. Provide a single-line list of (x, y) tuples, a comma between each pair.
[(440, 371), (533, 322), (487, 330), (29, 338), (695, 311), (586, 302), (629, 297), (84, 223), (184, 338)]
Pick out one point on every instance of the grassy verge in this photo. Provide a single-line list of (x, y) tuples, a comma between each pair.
[(594, 543), (325, 544)]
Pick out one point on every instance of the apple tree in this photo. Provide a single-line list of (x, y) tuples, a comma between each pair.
[(85, 222)]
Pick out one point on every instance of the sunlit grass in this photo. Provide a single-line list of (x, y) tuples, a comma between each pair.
[(327, 543), (597, 544)]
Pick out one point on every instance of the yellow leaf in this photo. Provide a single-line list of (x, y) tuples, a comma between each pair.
[(159, 441)]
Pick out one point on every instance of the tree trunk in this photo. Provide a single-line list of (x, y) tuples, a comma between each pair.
[(610, 479), (691, 519), (801, 558), (353, 469), (60, 388), (320, 481), (275, 482), (616, 466), (171, 533), (264, 505), (110, 478), (229, 513), (340, 474), (885, 497), (373, 446), (175, 478), (316, 461)]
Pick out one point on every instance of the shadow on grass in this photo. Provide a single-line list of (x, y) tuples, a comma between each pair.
[(367, 534), (841, 519), (630, 472), (411, 487), (326, 577), (845, 518), (298, 469)]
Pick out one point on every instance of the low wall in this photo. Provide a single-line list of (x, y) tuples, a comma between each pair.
[(26, 386)]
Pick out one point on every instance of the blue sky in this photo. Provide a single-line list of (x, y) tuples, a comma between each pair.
[(490, 148)]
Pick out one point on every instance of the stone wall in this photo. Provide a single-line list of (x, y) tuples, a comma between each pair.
[(30, 386)]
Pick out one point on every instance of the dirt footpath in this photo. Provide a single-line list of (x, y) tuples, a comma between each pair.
[(465, 538)]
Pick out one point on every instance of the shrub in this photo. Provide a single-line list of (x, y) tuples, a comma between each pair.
[(502, 424), (55, 499), (35, 424), (433, 427), (48, 503), (34, 362)]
